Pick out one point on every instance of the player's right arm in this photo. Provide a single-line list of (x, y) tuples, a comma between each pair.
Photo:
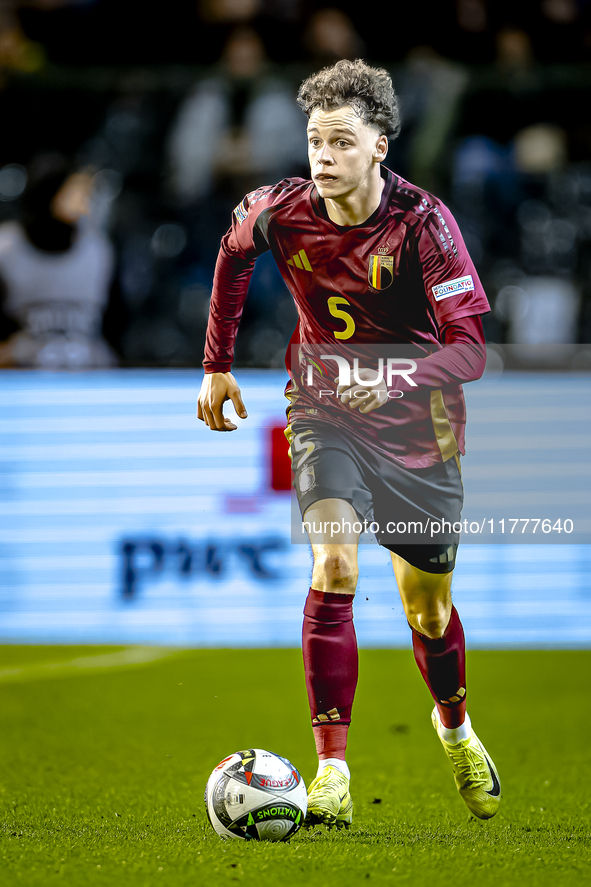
[(216, 389), (230, 286), (235, 263), (245, 241)]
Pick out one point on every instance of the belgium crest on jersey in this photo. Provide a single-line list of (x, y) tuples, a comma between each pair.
[(380, 272)]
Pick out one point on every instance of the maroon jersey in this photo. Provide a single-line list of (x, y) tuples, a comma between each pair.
[(403, 278)]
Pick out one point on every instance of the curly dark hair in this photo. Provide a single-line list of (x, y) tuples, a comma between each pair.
[(367, 90)]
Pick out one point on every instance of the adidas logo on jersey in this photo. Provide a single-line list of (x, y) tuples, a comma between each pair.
[(301, 261)]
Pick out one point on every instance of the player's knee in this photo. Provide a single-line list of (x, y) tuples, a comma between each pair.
[(337, 572), (431, 625), (429, 617), (427, 601), (428, 613)]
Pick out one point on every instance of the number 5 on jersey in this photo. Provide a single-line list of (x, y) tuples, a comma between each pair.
[(337, 312)]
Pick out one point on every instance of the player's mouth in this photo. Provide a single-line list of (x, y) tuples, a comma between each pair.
[(325, 177)]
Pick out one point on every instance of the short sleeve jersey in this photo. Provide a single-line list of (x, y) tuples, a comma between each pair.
[(399, 278)]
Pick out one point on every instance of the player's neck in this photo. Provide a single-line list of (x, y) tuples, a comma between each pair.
[(355, 208)]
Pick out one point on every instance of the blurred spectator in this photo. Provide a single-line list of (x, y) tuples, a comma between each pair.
[(472, 16), (539, 311), (238, 128), (236, 11), (472, 38), (488, 182), (540, 149), (17, 52), (186, 107), (562, 31), (55, 268), (517, 186), (430, 89), (514, 58), (330, 36), (277, 22)]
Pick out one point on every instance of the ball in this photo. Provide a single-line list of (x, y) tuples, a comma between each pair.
[(256, 795)]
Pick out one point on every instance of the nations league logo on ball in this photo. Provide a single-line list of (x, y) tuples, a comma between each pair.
[(256, 795)]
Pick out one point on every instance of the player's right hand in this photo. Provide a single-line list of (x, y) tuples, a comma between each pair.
[(216, 389)]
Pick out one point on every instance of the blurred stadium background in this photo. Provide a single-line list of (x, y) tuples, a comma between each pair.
[(128, 136)]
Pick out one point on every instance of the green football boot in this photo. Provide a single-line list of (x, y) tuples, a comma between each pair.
[(329, 800), (475, 774)]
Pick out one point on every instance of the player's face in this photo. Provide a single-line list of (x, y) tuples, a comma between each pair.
[(343, 152)]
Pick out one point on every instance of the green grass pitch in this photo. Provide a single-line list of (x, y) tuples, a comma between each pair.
[(104, 762)]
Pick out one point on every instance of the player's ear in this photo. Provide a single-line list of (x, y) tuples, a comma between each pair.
[(381, 148)]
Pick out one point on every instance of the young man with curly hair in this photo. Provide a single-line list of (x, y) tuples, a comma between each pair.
[(370, 260)]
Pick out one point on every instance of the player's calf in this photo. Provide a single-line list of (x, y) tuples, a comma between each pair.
[(442, 663), (329, 648)]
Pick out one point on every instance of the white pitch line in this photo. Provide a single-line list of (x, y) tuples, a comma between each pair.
[(71, 667)]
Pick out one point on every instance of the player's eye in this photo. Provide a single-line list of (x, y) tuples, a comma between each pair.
[(341, 143), (315, 142)]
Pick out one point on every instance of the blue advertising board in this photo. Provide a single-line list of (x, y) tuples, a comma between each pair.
[(125, 520)]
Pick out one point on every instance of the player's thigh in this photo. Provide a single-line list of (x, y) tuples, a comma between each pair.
[(333, 497), (418, 510), (332, 521), (326, 467), (425, 596), (333, 528)]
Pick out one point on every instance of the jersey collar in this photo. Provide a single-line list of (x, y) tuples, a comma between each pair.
[(319, 204)]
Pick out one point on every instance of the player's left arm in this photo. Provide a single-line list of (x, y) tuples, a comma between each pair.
[(450, 279), (457, 301), (461, 359)]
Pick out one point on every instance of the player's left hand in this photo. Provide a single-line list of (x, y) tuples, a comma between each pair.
[(364, 399)]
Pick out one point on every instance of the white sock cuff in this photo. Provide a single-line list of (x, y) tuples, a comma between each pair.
[(336, 763), (453, 735)]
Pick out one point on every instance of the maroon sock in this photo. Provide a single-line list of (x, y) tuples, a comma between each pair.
[(329, 646), (331, 740), (442, 662)]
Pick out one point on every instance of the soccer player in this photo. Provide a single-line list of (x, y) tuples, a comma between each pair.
[(370, 260)]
